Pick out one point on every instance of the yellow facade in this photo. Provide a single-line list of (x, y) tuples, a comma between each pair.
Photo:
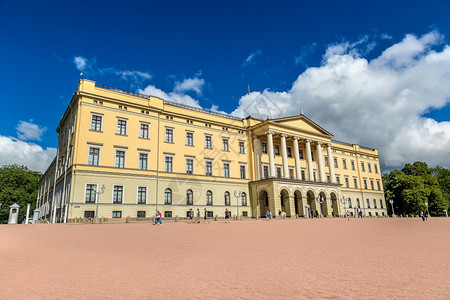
[(153, 154)]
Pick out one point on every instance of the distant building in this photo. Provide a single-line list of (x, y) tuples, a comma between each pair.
[(150, 153)]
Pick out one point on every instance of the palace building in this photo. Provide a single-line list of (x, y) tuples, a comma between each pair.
[(123, 154)]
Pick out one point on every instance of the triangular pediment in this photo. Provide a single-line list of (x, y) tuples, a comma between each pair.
[(301, 123)]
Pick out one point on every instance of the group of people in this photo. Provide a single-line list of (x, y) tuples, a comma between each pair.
[(197, 220), (424, 215)]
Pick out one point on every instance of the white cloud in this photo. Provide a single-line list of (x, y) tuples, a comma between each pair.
[(378, 103), (189, 84), (173, 97), (251, 58), (14, 151), (29, 131), (80, 62)]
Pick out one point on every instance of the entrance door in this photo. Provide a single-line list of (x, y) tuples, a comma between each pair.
[(308, 211)]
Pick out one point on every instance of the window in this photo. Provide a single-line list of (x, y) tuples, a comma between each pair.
[(378, 185), (374, 203), (210, 214), (118, 194), (314, 175), (289, 152), (371, 184), (244, 199), (357, 203), (120, 159), (328, 178), (117, 214), (264, 147), (94, 155), (189, 138), (168, 214), (365, 183), (225, 145), (141, 214), (344, 163), (300, 153), (241, 147), (143, 133), (169, 135), (266, 171), (208, 168), (336, 162), (242, 171), (369, 167), (168, 196), (338, 179), (121, 127), (376, 168), (189, 197), (91, 190), (245, 214), (226, 170), (303, 174), (381, 204), (142, 195), (326, 160), (312, 156), (189, 166), (368, 203), (277, 149), (209, 199), (353, 164), (168, 165), (347, 184), (363, 168), (208, 142), (89, 214), (279, 172), (96, 123), (227, 199), (349, 203), (143, 157), (355, 182), (291, 173)]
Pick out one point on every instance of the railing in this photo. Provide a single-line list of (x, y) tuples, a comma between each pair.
[(114, 89), (348, 144)]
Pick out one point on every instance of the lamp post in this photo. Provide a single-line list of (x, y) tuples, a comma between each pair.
[(237, 195), (428, 212), (343, 200), (98, 196), (392, 205), (320, 199)]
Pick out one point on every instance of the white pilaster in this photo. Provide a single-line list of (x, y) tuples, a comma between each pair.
[(284, 156), (257, 151), (271, 154), (309, 160), (298, 174), (331, 164), (320, 162)]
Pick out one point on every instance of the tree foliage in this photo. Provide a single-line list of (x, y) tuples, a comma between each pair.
[(18, 185), (414, 186)]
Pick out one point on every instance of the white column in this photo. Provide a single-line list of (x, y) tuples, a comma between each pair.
[(257, 153), (297, 160), (309, 160), (28, 213), (320, 162), (271, 157), (331, 163), (284, 156)]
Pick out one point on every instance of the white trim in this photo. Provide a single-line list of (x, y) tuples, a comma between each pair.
[(124, 158), (148, 132), (139, 158), (101, 123), (99, 152), (126, 125)]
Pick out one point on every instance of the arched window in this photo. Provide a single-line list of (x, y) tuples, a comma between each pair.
[(349, 203), (357, 203), (189, 197), (244, 199), (227, 199), (209, 199), (168, 196)]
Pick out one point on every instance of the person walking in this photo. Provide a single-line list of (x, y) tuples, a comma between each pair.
[(426, 215), (191, 216), (422, 215), (227, 216), (198, 216), (348, 215), (269, 215), (206, 216), (158, 218)]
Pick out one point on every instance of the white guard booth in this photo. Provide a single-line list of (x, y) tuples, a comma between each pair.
[(13, 213)]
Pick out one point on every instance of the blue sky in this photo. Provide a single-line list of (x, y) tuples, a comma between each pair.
[(372, 60)]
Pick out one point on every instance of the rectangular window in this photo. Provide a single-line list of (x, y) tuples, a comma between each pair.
[(142, 195), (169, 135), (326, 160), (89, 214), (143, 133), (208, 168), (328, 178), (121, 127), (353, 165), (189, 166), (300, 153), (96, 123), (376, 168), (168, 164), (347, 184), (302, 172), (363, 167), (355, 182), (291, 173), (225, 145), (118, 194), (143, 159), (277, 149), (241, 147), (378, 185), (264, 147), (365, 183), (91, 190), (141, 214), (374, 203), (189, 138), (168, 214), (314, 175), (369, 167), (279, 172), (266, 171), (344, 163), (94, 155), (289, 151), (338, 179), (226, 170), (208, 142), (371, 184), (242, 172), (210, 214), (245, 214), (117, 214), (368, 203), (381, 204), (120, 159), (312, 156)]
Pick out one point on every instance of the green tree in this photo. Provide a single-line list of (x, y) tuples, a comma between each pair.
[(17, 185), (443, 177)]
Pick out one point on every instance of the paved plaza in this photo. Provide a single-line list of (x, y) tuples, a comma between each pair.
[(312, 259)]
